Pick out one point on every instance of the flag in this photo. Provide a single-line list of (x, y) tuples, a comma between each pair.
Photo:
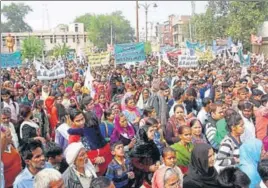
[(89, 82), (244, 59)]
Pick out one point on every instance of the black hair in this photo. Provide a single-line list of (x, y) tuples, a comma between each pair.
[(74, 112), (5, 92), (178, 106), (114, 144), (263, 169), (243, 80), (182, 128), (233, 120), (101, 182), (191, 92), (128, 99), (206, 101), (177, 93), (52, 150), (167, 150), (107, 113), (151, 121), (257, 92), (27, 148), (264, 99), (246, 105), (193, 121), (147, 110), (232, 177), (62, 112), (163, 87)]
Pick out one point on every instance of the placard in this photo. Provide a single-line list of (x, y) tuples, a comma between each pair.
[(131, 52), (10, 59), (185, 61)]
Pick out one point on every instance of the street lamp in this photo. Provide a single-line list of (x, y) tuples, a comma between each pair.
[(146, 7)]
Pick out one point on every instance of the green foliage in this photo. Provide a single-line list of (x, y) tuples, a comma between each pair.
[(60, 50), (15, 14), (147, 48), (238, 19), (99, 28), (32, 47)]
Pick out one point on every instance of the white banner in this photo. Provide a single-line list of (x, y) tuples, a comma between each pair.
[(186, 61), (56, 72)]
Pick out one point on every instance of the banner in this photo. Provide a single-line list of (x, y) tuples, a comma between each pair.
[(131, 52), (219, 45), (11, 59), (98, 58), (195, 46), (186, 61), (155, 47), (56, 72)]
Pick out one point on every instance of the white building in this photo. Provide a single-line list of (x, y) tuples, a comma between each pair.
[(73, 35)]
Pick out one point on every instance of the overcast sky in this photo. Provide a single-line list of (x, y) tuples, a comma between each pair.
[(64, 12)]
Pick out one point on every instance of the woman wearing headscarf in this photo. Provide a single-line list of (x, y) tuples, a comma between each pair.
[(145, 156), (73, 103), (143, 98), (77, 91), (101, 105), (250, 155), (45, 92), (166, 177), (132, 113), (201, 173), (124, 132), (80, 172)]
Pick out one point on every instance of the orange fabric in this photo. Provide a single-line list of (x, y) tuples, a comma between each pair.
[(261, 122), (12, 166)]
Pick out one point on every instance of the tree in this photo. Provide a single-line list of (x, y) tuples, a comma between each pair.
[(15, 14), (99, 28), (60, 50), (245, 18), (85, 19), (237, 19), (32, 47)]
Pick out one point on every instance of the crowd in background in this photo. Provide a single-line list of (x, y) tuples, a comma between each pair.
[(137, 126)]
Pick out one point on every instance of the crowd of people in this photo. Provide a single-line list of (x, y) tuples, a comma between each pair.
[(137, 126)]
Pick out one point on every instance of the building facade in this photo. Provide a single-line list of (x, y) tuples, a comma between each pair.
[(72, 35), (174, 31)]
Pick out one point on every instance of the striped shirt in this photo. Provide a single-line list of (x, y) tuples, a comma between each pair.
[(118, 173), (229, 149), (210, 133)]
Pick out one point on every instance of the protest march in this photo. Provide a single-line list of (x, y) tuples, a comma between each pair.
[(123, 116)]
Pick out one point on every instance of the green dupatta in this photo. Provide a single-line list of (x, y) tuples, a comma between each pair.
[(183, 154)]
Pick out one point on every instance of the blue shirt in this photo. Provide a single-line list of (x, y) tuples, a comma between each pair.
[(25, 179)]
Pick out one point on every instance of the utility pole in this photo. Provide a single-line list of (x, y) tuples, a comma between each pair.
[(111, 34), (137, 21)]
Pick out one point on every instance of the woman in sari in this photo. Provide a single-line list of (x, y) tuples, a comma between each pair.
[(201, 173), (143, 98), (196, 130), (101, 105), (77, 91), (183, 148), (132, 113), (166, 177), (124, 132), (145, 157), (174, 122)]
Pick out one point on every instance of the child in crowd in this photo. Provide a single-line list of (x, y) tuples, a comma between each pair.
[(120, 169), (169, 160)]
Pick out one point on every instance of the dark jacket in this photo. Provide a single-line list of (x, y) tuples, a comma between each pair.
[(70, 179)]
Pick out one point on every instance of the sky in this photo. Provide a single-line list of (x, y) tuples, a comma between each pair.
[(64, 12)]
